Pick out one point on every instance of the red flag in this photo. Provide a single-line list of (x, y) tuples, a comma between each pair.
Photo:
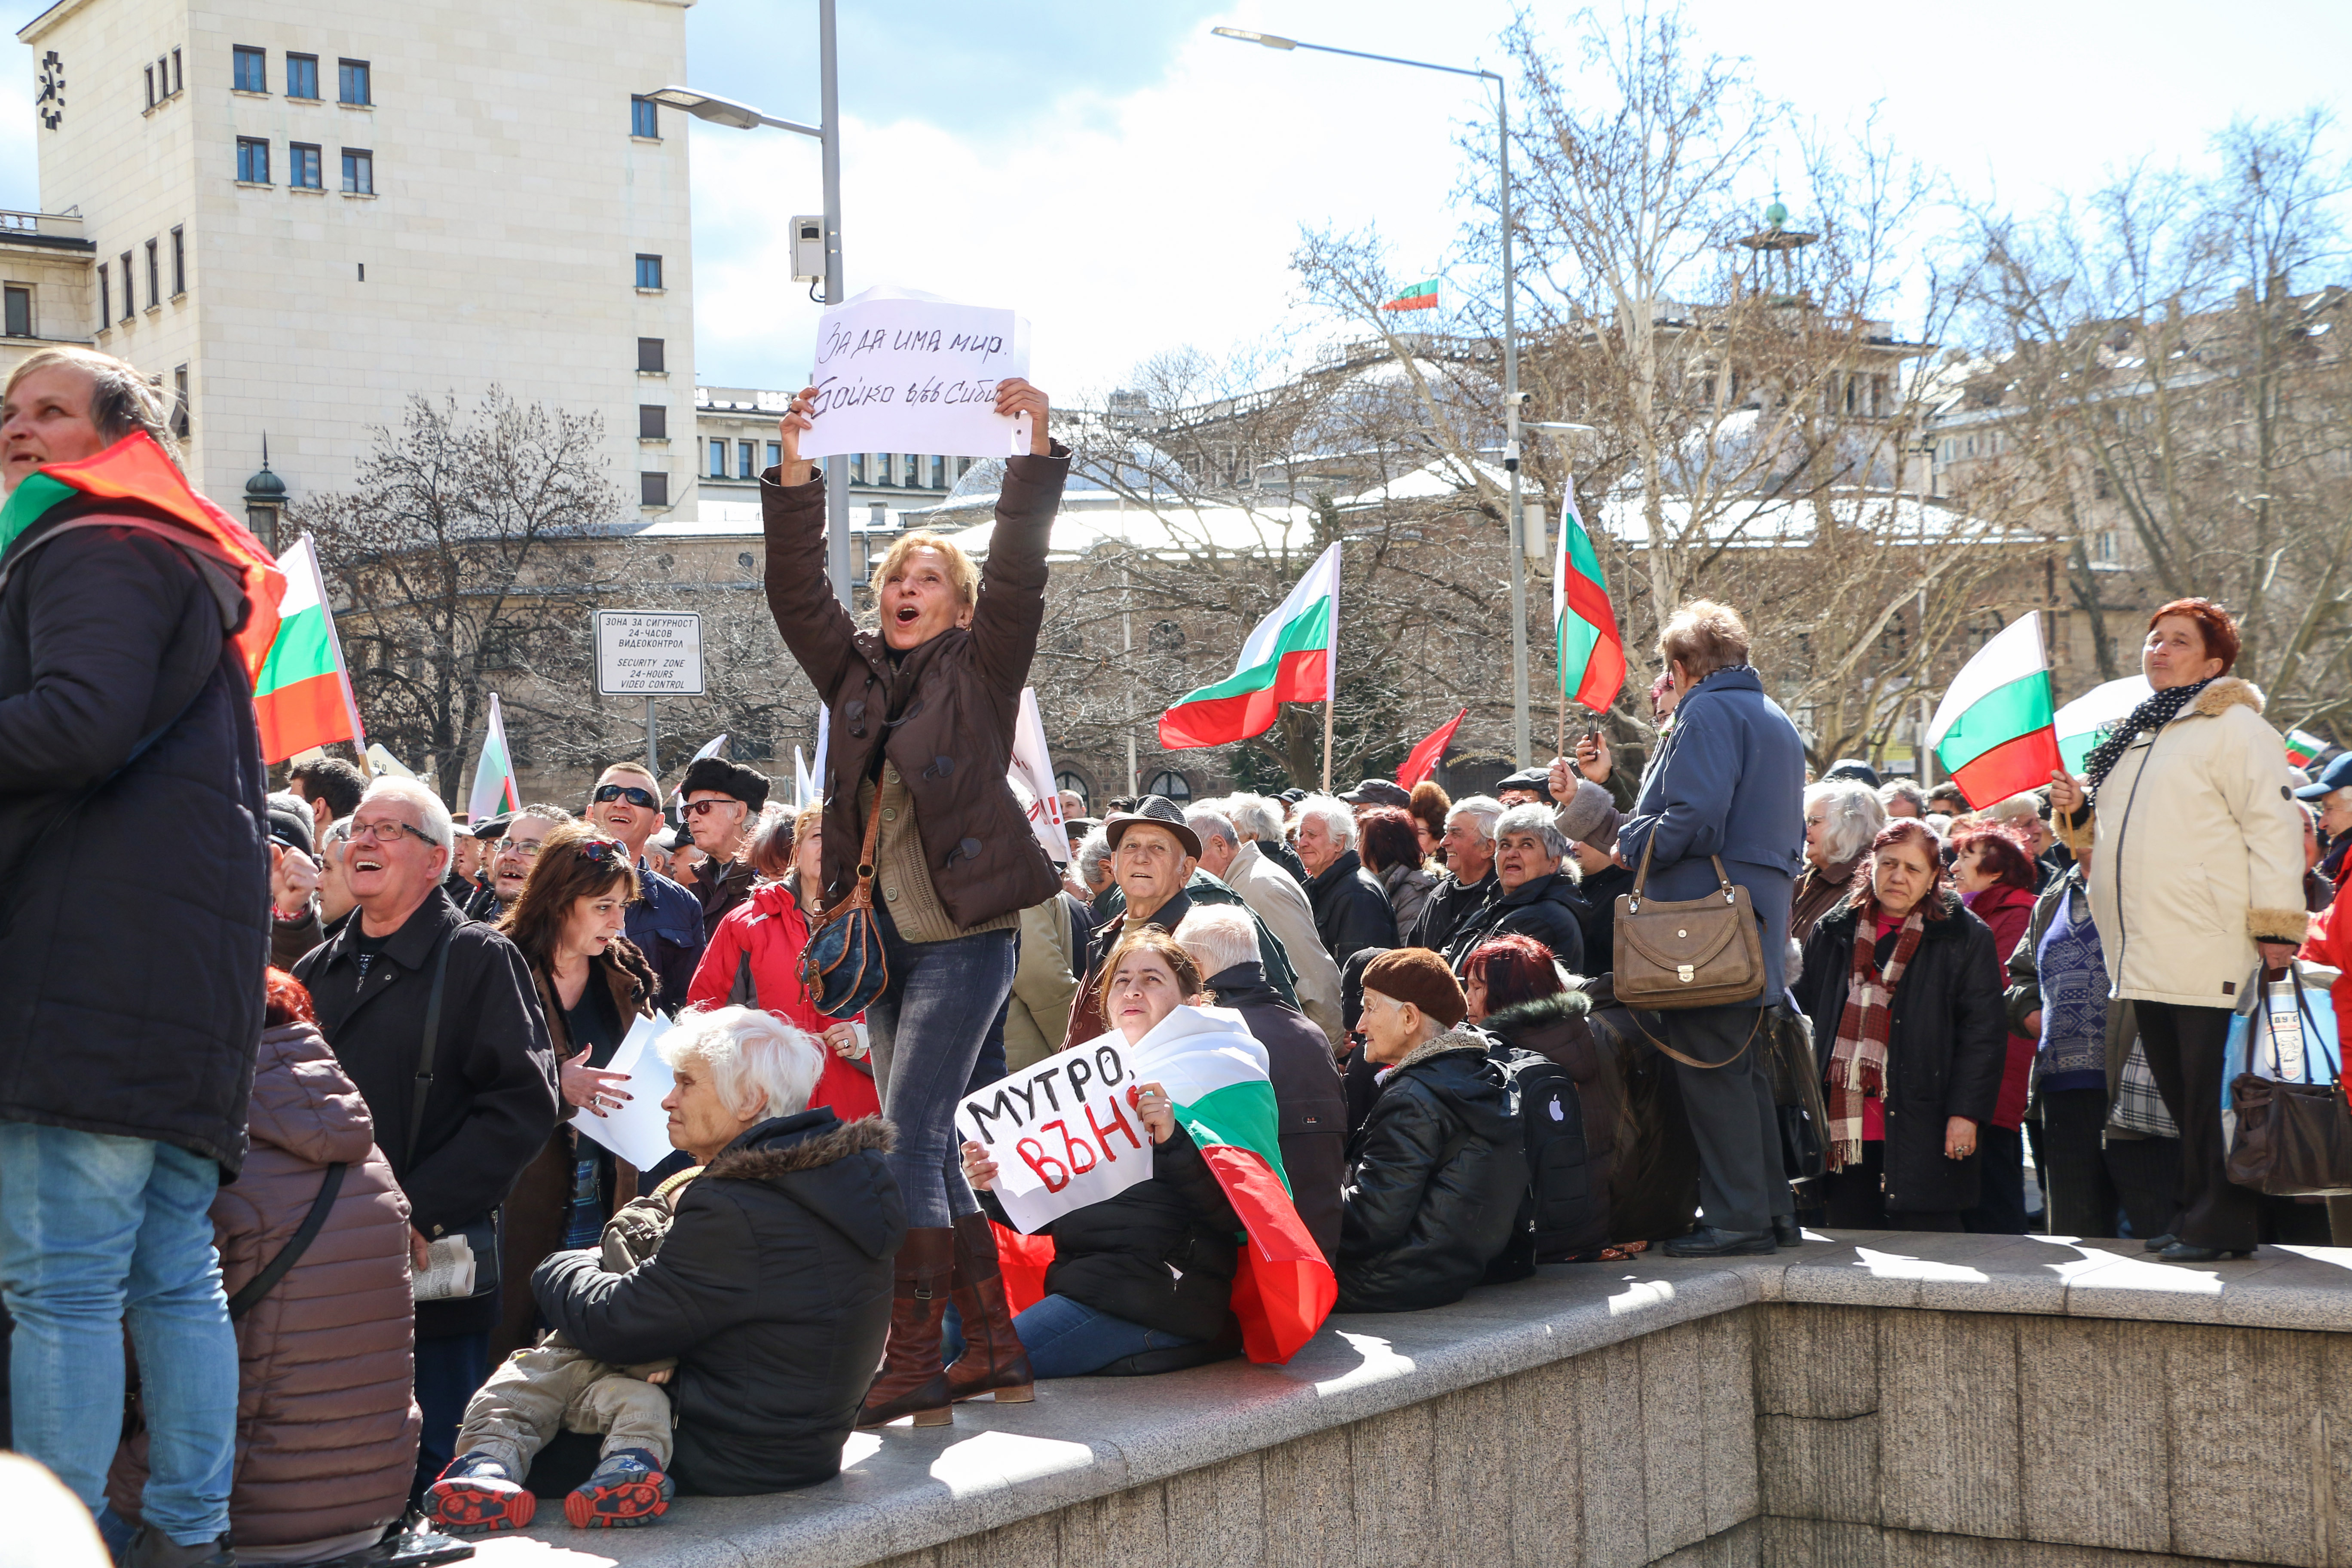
[(1424, 758)]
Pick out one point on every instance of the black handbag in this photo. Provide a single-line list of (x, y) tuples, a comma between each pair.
[(2291, 1140), (1797, 1100), (480, 1238), (844, 968)]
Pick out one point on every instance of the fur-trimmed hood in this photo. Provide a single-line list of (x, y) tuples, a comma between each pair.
[(758, 1156), (832, 1168), (1541, 1012), (1459, 1038), (2226, 693)]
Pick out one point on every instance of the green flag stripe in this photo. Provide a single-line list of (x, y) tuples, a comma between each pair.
[(1242, 1114), (1580, 548), (300, 652), (35, 495), (2002, 714), (1311, 631)]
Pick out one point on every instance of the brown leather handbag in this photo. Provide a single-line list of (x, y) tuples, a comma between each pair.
[(1689, 952)]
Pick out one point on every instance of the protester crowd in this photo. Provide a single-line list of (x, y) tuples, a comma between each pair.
[(329, 1160)]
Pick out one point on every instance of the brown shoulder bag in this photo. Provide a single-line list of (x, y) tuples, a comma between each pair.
[(1690, 952)]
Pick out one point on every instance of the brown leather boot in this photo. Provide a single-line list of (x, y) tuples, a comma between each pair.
[(911, 1382), (993, 1360)]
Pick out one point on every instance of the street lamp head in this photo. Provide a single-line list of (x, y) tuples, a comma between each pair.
[(706, 106), (1563, 427), (1271, 40)]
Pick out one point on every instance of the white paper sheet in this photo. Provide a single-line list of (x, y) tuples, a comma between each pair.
[(899, 370), (1061, 1132), (639, 1131)]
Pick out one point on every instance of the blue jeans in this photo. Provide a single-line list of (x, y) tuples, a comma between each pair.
[(98, 1231), (928, 1028), (1069, 1339)]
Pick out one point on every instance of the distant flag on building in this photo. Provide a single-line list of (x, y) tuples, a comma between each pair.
[(1995, 732), (2083, 723), (1590, 654), (2303, 748), (1292, 656), (679, 794), (1422, 760), (302, 698), (494, 792), (1422, 296)]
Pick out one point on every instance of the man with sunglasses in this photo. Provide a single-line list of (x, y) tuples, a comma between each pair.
[(665, 921), (722, 804)]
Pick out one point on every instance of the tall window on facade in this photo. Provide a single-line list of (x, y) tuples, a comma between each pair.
[(352, 84), (649, 355), (775, 453), (938, 473), (130, 290), (914, 469), (19, 314), (179, 262), (180, 401), (653, 421), (302, 162), (250, 71), (151, 87), (105, 297), (644, 118), (154, 275), (1170, 785), (857, 468), (745, 455), (252, 160), (718, 459), (653, 490), (359, 172), (648, 271), (301, 76), (178, 81)]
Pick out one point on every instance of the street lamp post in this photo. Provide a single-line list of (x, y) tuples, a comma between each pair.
[(737, 116), (1520, 744)]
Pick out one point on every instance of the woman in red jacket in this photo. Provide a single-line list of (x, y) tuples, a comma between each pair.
[(1994, 874), (753, 959)]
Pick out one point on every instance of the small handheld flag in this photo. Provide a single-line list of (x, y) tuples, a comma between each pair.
[(303, 696), (1422, 760), (1590, 654), (1422, 296), (494, 790), (1994, 732), (2303, 748)]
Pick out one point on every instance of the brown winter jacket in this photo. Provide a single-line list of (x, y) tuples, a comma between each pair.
[(326, 1425), (943, 712)]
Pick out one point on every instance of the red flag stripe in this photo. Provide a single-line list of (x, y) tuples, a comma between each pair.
[(1225, 720), (1284, 1290), (2011, 768)]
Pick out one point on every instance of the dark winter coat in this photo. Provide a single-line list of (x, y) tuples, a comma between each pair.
[(1654, 1176), (1451, 903), (1944, 1055), (1598, 895), (1545, 908), (134, 928), (1306, 1096), (1559, 1028), (1818, 893), (1351, 908), (493, 1100), (943, 712), (720, 887), (2007, 911), (1434, 1182), (326, 1426), (772, 1290), (664, 921)]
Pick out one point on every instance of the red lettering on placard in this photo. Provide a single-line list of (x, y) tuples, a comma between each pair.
[(1033, 1155), (1072, 1147), (1117, 1124)]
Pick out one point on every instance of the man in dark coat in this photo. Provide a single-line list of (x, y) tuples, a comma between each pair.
[(130, 968), (1535, 894), (490, 1100), (722, 806), (1351, 908), (1307, 1095), (1469, 848)]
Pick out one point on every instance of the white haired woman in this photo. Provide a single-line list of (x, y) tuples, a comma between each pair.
[(1842, 817), (773, 1287)]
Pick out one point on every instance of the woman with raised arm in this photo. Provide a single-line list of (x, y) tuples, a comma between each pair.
[(923, 708)]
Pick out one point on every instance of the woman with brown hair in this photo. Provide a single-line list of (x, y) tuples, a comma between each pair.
[(594, 986), (1429, 804), (1392, 851)]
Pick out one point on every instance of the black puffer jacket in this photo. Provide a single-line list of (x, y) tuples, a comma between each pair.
[(1433, 1181), (1545, 908), (1161, 1254), (1944, 1054), (130, 964), (772, 1290), (1351, 908), (1451, 903), (1307, 1097)]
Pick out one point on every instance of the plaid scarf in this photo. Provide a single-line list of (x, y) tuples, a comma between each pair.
[(1858, 1060)]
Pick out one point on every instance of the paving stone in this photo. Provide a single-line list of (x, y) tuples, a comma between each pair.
[(1673, 1439), (1311, 1521), (1947, 1428), (1471, 1442), (1818, 1469), (1392, 1458), (1216, 1515), (1816, 1360), (2097, 1472), (2239, 1403)]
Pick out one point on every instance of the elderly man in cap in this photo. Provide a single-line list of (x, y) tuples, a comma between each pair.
[(1378, 792), (722, 806), (473, 893), (1280, 905), (1588, 817), (1528, 786)]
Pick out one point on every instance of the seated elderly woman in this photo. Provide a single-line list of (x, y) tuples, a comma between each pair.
[(773, 1287), (1536, 892)]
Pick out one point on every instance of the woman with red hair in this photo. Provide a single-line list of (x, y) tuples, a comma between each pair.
[(1994, 874), (2198, 880)]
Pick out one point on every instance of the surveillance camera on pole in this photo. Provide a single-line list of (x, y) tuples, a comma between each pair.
[(808, 249)]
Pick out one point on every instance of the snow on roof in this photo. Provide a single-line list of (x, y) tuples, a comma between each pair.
[(1741, 521)]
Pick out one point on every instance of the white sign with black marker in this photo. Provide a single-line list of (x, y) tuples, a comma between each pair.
[(1062, 1133), (902, 371)]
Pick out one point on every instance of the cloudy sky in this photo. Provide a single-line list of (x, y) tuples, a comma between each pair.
[(1132, 184)]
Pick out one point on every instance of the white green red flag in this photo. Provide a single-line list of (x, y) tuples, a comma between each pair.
[(2303, 748), (1292, 656), (1215, 1075), (2084, 723), (1421, 296), (302, 697), (1586, 648), (494, 792), (1994, 732)]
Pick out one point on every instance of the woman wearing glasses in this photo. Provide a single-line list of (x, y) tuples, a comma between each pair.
[(922, 711)]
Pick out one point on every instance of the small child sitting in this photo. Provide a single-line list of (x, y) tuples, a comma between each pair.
[(553, 1387)]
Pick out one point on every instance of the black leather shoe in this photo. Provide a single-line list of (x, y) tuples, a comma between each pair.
[(152, 1548), (2182, 1252), (1786, 1231), (2159, 1243), (1708, 1242)]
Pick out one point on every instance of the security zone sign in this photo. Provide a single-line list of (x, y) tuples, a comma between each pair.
[(644, 653)]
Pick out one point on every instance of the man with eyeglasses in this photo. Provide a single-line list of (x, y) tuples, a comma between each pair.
[(723, 803), (664, 920), (517, 851), (492, 1100)]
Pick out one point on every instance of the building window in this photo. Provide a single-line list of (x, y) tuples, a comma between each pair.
[(302, 166), (105, 298), (1170, 785), (649, 355), (653, 421), (252, 160), (177, 80), (938, 473), (775, 454), (179, 262), (130, 290), (359, 172), (180, 401), (19, 321), (302, 75), (964, 467), (1073, 783), (744, 456), (151, 87), (644, 118), (251, 70), (155, 274), (653, 490), (856, 463), (352, 83), (913, 473), (648, 271), (718, 459)]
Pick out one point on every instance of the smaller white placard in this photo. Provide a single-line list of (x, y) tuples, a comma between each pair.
[(1062, 1133), (648, 653), (899, 370), (638, 1132)]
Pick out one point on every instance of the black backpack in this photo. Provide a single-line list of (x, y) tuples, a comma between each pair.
[(1563, 1215)]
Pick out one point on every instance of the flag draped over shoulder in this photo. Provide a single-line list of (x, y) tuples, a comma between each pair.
[(136, 470), (1216, 1076)]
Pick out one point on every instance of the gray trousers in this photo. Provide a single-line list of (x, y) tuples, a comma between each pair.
[(552, 1387), (1741, 1182)]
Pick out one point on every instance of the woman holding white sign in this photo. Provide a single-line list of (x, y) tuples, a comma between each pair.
[(920, 823)]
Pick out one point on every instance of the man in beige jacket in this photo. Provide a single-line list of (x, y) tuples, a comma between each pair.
[(1278, 900), (1052, 951)]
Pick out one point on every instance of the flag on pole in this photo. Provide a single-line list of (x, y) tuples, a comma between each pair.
[(1994, 732), (1422, 760), (1586, 648), (2084, 723), (1292, 656), (679, 794), (302, 697), (1033, 769), (1422, 296), (384, 765), (494, 790), (2303, 748)]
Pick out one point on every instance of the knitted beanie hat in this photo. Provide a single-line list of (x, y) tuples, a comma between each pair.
[(1417, 975)]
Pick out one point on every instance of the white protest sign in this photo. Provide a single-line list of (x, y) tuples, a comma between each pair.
[(1033, 769), (1061, 1133), (902, 371), (639, 1131)]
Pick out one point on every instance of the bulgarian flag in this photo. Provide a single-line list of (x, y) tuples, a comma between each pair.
[(1589, 653), (2083, 723), (2303, 748), (136, 470), (1994, 730), (1422, 296), (494, 789), (1293, 656), (1216, 1076), (303, 696)]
